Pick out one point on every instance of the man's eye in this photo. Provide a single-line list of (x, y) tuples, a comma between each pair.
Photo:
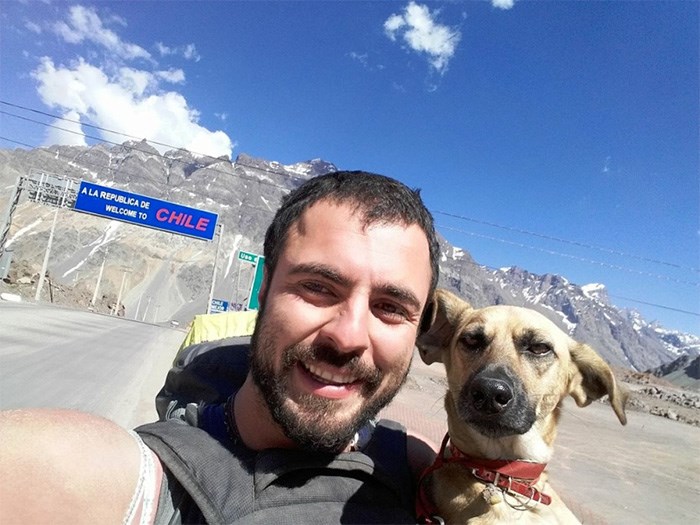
[(391, 311), (315, 288)]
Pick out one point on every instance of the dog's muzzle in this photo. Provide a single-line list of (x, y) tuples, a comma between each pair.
[(494, 401)]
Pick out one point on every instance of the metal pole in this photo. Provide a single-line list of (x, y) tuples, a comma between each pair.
[(238, 284), (138, 307), (145, 311), (216, 262), (99, 279), (45, 265), (119, 295), (5, 232)]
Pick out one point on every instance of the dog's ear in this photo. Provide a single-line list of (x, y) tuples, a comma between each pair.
[(590, 378), (437, 325)]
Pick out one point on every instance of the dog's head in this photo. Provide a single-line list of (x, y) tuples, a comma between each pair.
[(509, 367)]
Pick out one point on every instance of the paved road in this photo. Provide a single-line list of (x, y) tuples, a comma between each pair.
[(55, 357), (645, 473)]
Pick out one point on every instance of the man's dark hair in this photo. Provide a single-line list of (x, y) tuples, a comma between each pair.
[(378, 199)]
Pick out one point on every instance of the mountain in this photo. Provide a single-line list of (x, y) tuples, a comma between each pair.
[(684, 372), (162, 277)]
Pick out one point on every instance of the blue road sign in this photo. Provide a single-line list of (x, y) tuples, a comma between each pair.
[(145, 211), (218, 306)]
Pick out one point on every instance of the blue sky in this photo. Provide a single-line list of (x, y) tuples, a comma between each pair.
[(561, 137)]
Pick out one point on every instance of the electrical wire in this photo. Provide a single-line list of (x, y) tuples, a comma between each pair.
[(570, 256), (437, 212)]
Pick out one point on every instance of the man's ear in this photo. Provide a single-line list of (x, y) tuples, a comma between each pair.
[(591, 378), (262, 291), (440, 317)]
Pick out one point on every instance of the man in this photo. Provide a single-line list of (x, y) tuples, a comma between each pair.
[(350, 261)]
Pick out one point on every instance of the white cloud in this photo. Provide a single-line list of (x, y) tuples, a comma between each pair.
[(174, 76), (34, 28), (163, 49), (128, 102), (84, 24), (188, 52), (417, 27), (109, 93), (606, 165), (503, 4), (70, 132), (359, 57)]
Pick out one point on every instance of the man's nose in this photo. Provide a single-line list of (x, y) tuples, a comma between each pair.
[(349, 328)]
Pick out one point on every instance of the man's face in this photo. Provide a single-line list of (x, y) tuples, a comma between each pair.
[(338, 323)]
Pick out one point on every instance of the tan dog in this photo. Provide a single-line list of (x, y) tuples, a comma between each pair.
[(508, 371)]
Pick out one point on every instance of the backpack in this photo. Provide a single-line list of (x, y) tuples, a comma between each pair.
[(214, 480)]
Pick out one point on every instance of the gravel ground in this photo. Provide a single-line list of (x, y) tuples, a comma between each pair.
[(647, 472)]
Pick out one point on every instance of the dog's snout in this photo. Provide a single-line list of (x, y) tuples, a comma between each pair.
[(490, 395)]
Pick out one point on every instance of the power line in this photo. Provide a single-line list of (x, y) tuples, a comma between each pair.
[(460, 217), (696, 314), (157, 154), (17, 142), (568, 241), (59, 117), (84, 124), (638, 301), (575, 257)]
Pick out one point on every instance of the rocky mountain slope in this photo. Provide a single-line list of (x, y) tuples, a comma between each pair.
[(166, 277)]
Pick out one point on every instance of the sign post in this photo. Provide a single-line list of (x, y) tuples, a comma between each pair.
[(258, 262)]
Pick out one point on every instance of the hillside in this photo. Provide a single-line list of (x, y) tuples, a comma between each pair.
[(165, 277)]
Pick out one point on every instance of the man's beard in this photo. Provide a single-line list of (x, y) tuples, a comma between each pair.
[(312, 426)]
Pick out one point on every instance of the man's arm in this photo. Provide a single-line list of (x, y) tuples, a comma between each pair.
[(62, 466)]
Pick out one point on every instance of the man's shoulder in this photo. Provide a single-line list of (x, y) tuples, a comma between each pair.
[(61, 462)]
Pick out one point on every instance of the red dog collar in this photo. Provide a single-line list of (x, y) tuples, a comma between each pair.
[(509, 475)]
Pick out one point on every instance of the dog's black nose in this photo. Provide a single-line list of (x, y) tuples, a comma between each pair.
[(490, 395)]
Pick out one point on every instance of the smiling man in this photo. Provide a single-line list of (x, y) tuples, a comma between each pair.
[(337, 326), (350, 261)]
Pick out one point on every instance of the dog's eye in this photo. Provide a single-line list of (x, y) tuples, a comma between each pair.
[(539, 348), (473, 341)]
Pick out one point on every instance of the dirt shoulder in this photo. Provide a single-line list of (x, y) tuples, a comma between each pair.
[(646, 472)]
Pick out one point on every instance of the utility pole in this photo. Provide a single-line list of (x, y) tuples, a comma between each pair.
[(99, 278), (145, 310), (7, 220), (121, 290), (45, 265), (138, 307), (216, 262)]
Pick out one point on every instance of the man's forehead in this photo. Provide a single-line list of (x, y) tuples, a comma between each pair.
[(330, 226), (329, 209)]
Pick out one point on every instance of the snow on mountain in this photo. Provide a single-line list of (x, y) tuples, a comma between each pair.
[(173, 273)]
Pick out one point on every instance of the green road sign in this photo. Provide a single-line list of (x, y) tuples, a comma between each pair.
[(257, 282), (248, 257), (259, 262)]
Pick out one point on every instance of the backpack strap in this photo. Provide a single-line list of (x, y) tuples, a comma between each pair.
[(197, 462), (278, 485)]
